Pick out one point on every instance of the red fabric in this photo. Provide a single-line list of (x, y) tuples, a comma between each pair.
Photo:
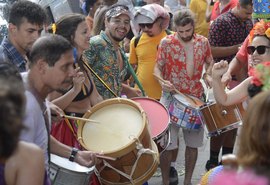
[(242, 54), (62, 133), (216, 11)]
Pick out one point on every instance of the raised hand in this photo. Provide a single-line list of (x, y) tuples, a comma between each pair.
[(219, 69)]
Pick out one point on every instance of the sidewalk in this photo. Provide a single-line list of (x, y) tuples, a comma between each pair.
[(199, 170)]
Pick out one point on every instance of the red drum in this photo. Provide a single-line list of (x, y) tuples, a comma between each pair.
[(219, 119), (185, 111), (159, 119)]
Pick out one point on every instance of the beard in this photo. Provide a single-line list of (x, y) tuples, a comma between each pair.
[(117, 39), (187, 39)]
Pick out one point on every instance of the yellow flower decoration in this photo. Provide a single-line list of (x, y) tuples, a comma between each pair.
[(267, 32), (54, 28)]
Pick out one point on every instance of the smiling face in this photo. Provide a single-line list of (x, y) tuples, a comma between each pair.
[(260, 41), (82, 36), (117, 27)]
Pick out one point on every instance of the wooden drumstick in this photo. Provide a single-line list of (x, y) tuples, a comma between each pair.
[(81, 119), (105, 157), (178, 92)]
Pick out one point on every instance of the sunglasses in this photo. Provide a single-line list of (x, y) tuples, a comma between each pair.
[(260, 49), (148, 25)]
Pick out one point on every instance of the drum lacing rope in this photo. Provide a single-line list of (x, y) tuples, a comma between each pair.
[(141, 150)]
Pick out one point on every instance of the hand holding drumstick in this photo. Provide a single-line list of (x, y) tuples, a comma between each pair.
[(165, 84)]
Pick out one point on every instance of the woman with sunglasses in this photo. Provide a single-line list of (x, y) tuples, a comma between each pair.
[(259, 51)]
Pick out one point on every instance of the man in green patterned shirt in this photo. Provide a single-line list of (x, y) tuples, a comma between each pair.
[(106, 57)]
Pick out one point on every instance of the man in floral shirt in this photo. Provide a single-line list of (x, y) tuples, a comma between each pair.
[(106, 57), (179, 67)]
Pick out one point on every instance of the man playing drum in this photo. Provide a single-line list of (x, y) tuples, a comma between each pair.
[(180, 61)]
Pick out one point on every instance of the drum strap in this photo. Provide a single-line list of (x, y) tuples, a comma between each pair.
[(141, 150)]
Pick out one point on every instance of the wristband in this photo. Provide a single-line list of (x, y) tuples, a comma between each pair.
[(73, 153)]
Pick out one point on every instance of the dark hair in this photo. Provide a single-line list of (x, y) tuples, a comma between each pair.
[(245, 3), (67, 26), (32, 12), (88, 4), (253, 90), (12, 108), (183, 17), (50, 48)]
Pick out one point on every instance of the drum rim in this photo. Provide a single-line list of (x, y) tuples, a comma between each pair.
[(86, 171), (124, 149)]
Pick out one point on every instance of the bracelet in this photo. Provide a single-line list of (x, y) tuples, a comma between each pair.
[(73, 153)]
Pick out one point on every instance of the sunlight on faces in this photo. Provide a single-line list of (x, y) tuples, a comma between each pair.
[(59, 77), (25, 35), (118, 27), (185, 33), (82, 36), (260, 41)]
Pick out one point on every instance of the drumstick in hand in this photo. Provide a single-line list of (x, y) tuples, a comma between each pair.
[(81, 119), (178, 92), (105, 157)]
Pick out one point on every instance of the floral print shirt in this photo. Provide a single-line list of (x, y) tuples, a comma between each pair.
[(172, 59), (102, 57), (228, 30)]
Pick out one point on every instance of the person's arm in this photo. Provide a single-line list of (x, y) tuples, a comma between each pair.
[(208, 64), (84, 158), (165, 84), (236, 95), (130, 92), (32, 161), (219, 51), (95, 97)]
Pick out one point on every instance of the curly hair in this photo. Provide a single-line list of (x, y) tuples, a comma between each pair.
[(28, 10)]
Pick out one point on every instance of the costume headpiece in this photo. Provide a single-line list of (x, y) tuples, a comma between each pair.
[(261, 75), (260, 28)]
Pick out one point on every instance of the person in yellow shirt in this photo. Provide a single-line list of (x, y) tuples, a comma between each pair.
[(199, 7), (153, 21)]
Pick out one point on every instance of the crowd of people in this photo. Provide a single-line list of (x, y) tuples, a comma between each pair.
[(52, 72)]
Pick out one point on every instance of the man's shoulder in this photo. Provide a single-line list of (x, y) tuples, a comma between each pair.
[(97, 40)]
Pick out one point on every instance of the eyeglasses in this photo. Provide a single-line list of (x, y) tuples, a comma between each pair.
[(260, 49)]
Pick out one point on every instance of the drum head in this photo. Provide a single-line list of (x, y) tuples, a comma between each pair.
[(189, 100), (68, 165), (157, 115), (120, 121)]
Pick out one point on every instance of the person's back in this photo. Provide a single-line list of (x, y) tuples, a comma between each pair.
[(26, 21)]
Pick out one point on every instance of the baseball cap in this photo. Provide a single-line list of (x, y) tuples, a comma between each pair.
[(117, 10)]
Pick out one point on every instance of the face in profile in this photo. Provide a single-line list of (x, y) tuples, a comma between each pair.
[(82, 36)]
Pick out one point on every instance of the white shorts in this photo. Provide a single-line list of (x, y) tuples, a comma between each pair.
[(193, 139)]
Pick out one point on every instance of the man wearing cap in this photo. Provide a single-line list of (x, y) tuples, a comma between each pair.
[(106, 57), (153, 20)]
